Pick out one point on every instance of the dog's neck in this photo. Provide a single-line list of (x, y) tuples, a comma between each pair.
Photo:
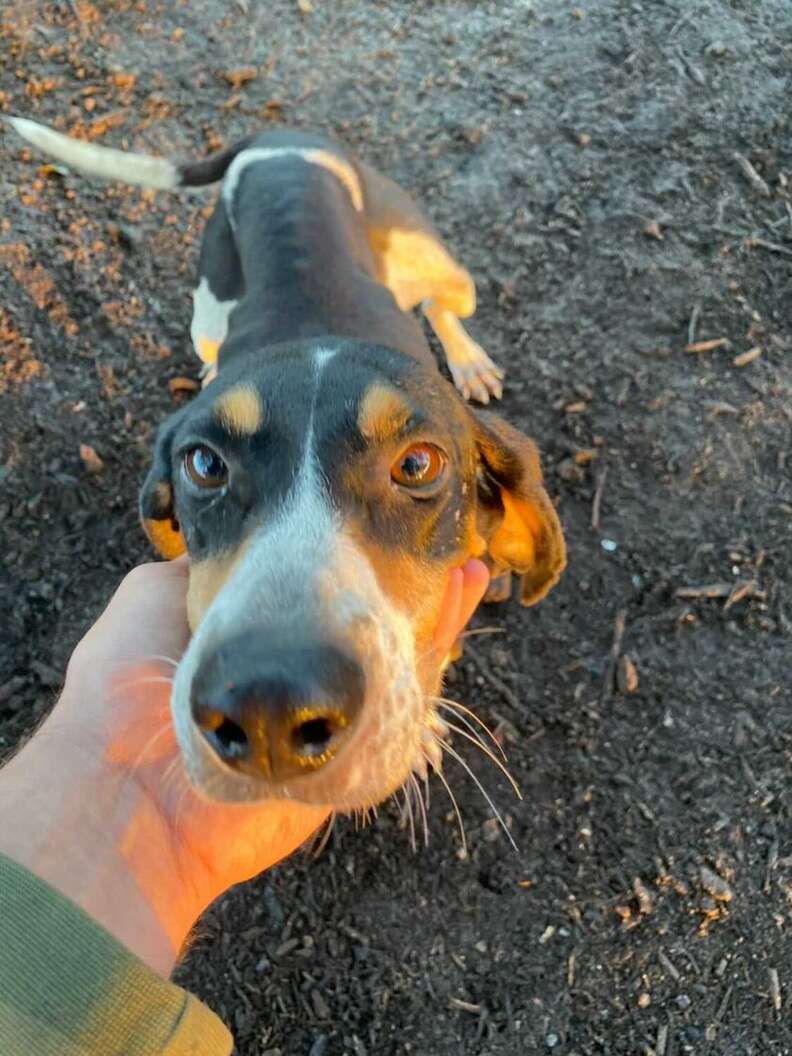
[(306, 266)]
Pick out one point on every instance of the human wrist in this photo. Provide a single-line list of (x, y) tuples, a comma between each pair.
[(87, 830)]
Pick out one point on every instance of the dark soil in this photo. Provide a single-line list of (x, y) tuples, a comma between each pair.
[(580, 160)]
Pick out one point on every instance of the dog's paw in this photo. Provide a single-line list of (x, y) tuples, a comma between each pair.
[(475, 375)]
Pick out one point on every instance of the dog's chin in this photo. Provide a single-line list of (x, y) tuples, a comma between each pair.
[(396, 735)]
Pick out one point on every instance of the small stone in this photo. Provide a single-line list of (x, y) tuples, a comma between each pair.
[(491, 830), (569, 470), (92, 462), (319, 1005), (683, 1002), (551, 1041), (715, 885)]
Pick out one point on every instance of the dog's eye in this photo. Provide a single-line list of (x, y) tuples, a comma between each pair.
[(418, 466), (205, 467)]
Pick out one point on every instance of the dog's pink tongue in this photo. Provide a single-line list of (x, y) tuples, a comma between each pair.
[(466, 587)]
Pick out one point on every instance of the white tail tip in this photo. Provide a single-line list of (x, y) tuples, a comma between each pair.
[(106, 163)]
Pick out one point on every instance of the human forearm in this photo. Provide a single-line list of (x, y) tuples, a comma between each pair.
[(70, 822)]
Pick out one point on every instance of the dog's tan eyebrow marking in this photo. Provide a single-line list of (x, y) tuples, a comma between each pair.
[(240, 410), (162, 497), (383, 412)]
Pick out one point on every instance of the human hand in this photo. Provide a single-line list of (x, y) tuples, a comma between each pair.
[(109, 816)]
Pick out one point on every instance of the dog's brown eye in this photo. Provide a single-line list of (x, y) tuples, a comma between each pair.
[(205, 468), (418, 466)]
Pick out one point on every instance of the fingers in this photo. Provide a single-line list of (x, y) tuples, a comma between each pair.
[(466, 587), (146, 617), (475, 582)]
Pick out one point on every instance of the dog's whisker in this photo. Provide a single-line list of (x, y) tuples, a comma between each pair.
[(322, 838), (454, 705), (138, 761), (468, 724), (490, 755), (163, 658), (174, 772), (408, 814), (426, 790), (457, 811), (481, 630), (497, 814), (181, 804), (421, 808)]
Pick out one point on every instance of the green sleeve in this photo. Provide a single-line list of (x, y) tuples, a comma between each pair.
[(68, 988)]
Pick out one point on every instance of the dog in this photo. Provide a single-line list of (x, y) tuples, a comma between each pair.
[(328, 478)]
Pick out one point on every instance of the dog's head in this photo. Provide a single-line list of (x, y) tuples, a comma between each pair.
[(324, 491)]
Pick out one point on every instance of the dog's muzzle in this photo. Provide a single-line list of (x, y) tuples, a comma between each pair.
[(275, 708)]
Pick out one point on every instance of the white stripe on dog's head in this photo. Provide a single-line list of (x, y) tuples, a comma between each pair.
[(341, 169)]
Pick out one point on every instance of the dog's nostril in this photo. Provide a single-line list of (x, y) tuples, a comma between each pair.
[(231, 739), (224, 735), (312, 738)]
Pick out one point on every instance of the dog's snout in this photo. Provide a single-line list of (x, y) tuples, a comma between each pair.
[(277, 710)]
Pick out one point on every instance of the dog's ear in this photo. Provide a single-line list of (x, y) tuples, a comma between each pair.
[(157, 511), (517, 518)]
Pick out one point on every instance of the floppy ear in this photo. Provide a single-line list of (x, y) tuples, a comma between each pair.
[(518, 519), (157, 512)]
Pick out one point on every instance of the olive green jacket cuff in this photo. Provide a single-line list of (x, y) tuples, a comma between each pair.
[(68, 988)]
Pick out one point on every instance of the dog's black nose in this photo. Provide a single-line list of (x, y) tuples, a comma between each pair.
[(277, 710)]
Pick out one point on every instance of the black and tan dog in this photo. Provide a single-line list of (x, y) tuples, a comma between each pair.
[(328, 478)]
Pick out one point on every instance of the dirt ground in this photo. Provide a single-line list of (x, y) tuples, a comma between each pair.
[(580, 158)]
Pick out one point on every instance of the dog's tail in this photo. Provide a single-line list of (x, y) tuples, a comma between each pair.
[(106, 163)]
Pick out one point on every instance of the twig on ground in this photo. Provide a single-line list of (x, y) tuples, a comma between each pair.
[(743, 588), (772, 862), (724, 1004), (708, 590), (693, 324), (693, 71), (464, 1006), (661, 1041), (597, 503), (775, 989), (708, 346), (771, 247), (669, 966), (613, 657), (752, 176), (744, 358)]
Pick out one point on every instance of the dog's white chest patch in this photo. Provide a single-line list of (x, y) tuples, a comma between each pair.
[(209, 322)]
